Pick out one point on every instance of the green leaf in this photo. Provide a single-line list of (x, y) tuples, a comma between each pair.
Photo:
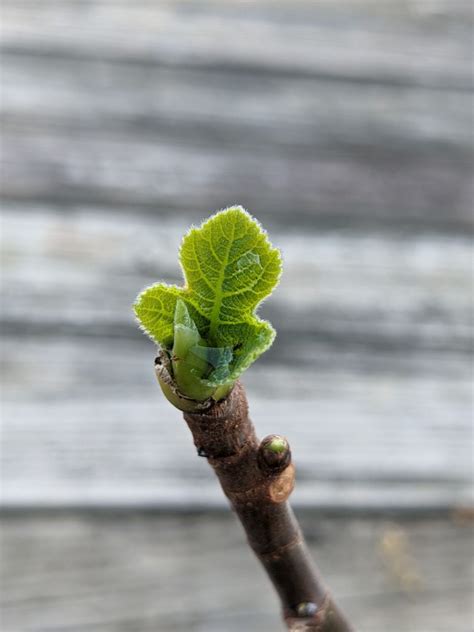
[(189, 365), (229, 267)]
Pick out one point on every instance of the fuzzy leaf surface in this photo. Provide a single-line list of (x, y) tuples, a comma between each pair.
[(229, 267)]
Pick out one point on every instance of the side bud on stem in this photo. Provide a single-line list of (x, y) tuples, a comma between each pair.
[(274, 453), (257, 478)]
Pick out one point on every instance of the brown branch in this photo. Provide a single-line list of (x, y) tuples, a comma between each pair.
[(257, 479)]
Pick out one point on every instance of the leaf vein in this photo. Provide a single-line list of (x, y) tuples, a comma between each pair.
[(202, 275), (249, 289)]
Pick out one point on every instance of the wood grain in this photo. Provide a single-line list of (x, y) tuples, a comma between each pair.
[(393, 42), (145, 572), (346, 128), (358, 115)]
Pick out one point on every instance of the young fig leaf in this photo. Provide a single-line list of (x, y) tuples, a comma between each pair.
[(209, 326)]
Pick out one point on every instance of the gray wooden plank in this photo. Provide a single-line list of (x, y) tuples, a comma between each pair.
[(292, 116), (374, 339), (58, 167), (80, 133), (320, 119), (85, 424), (408, 42), (80, 272), (329, 114), (138, 573)]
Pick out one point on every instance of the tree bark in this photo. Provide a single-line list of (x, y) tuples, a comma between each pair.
[(258, 480)]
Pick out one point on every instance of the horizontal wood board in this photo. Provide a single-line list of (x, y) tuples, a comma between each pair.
[(145, 572), (348, 131)]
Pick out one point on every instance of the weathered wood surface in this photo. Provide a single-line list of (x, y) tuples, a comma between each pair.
[(348, 131), (152, 573), (358, 114), (85, 420)]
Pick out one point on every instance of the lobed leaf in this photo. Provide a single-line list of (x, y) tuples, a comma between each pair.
[(229, 267)]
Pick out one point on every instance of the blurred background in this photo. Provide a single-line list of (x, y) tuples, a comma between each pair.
[(345, 127)]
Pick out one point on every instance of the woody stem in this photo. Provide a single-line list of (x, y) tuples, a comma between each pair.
[(258, 478)]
